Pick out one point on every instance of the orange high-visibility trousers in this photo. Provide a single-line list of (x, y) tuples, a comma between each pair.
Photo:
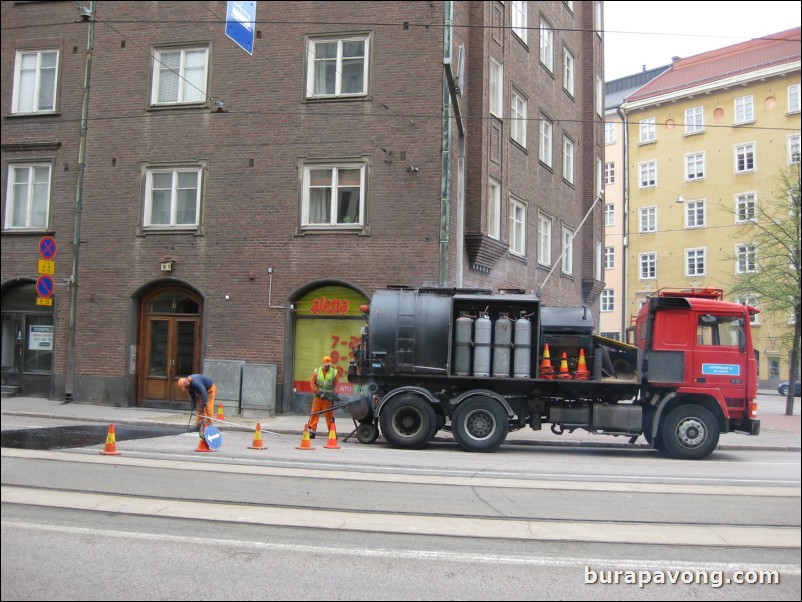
[(318, 405), (206, 411)]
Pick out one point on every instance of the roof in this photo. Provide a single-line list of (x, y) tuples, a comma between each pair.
[(617, 90), (731, 61)]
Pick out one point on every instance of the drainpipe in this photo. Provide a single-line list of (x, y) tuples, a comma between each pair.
[(445, 148), (69, 385)]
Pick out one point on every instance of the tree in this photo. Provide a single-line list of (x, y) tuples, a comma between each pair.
[(774, 229)]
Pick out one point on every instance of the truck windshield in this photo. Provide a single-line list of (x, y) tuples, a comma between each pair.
[(720, 330)]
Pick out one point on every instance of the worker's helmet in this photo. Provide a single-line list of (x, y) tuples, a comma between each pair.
[(326, 361)]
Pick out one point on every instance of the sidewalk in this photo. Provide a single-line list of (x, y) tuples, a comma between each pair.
[(778, 431)]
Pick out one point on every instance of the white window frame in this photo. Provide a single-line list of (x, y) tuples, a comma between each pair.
[(609, 258), (694, 120), (793, 98), (176, 192), (518, 117), (36, 74), (647, 220), (339, 66), (496, 88), (609, 173), (647, 129), (745, 156), (568, 159), (753, 301), (607, 300), (544, 230), (695, 166), (28, 188), (793, 149), (647, 266), (519, 18), (545, 140), (609, 215), (546, 45), (493, 209), (647, 174), (569, 68), (190, 79), (695, 262), (567, 265), (744, 109), (745, 258), (332, 185), (517, 228), (609, 132), (695, 214), (597, 17), (599, 95), (745, 207)]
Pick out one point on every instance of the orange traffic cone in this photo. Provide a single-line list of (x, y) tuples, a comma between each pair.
[(332, 442), (220, 415), (202, 445), (111, 443), (306, 442), (582, 372), (546, 369), (563, 373), (257, 438)]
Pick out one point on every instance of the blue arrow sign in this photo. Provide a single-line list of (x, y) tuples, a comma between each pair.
[(44, 286), (240, 23)]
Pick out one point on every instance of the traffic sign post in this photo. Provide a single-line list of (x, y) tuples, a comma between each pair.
[(240, 23)]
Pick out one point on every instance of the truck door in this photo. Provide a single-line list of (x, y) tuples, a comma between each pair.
[(719, 359)]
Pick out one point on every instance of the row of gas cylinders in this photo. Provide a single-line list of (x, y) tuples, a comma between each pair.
[(508, 342)]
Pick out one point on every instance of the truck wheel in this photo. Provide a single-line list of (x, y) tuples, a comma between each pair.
[(689, 432), (480, 425), (367, 433), (407, 421)]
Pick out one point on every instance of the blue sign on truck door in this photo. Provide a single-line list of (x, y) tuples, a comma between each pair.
[(240, 24)]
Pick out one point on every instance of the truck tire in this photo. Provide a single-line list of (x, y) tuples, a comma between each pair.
[(366, 433), (689, 432), (408, 421), (480, 425)]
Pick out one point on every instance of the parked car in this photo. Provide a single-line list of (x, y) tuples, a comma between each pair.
[(782, 389)]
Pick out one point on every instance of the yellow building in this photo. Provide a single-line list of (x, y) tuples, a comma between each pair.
[(705, 143)]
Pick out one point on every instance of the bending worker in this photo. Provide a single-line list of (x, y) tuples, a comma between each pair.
[(324, 383), (201, 391)]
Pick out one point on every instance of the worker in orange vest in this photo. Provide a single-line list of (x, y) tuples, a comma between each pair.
[(324, 383)]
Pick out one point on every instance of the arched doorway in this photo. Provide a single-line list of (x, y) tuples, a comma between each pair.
[(169, 345), (27, 343)]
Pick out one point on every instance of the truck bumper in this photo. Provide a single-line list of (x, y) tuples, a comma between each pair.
[(748, 426)]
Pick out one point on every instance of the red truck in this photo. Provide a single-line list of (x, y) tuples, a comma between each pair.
[(480, 365)]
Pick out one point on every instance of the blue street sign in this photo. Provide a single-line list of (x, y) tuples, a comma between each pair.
[(240, 23), (47, 247), (44, 286)]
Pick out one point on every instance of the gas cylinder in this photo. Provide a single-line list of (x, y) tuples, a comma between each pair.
[(483, 330), (463, 330), (522, 357), (502, 339)]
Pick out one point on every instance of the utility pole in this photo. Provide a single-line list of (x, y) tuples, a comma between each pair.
[(87, 15)]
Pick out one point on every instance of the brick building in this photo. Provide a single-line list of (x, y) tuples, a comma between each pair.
[(229, 209)]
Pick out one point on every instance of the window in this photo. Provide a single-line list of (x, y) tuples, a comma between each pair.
[(493, 209), (597, 18), (35, 77), (609, 173), (597, 260), (647, 130), (518, 111), (648, 266), (546, 45), (694, 262), (609, 133), (694, 166), (793, 98), (519, 20), (647, 174), (568, 251), (749, 300), (517, 227), (180, 76), (647, 219), (568, 71), (546, 130), (745, 258), (793, 149), (333, 196), (744, 109), (745, 158), (694, 120), (745, 207), (568, 159), (609, 258), (719, 331), (496, 88), (337, 67), (607, 300), (609, 214), (599, 95), (695, 214), (543, 239), (28, 196), (172, 198)]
